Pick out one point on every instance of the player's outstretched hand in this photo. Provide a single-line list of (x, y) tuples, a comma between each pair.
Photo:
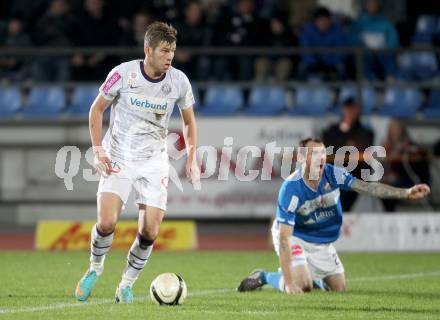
[(419, 191), (102, 162), (292, 289)]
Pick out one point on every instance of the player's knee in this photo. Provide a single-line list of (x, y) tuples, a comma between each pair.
[(339, 287), (307, 286), (106, 226), (150, 232)]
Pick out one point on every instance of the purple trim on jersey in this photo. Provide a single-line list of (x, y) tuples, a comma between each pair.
[(147, 77)]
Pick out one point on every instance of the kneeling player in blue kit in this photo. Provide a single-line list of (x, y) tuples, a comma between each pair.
[(309, 219)]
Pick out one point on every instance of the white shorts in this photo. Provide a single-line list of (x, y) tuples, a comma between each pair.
[(149, 178), (322, 259)]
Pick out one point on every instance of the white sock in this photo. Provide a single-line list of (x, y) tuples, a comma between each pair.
[(99, 245), (137, 258)]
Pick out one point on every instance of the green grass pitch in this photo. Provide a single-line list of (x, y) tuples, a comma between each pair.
[(39, 285)]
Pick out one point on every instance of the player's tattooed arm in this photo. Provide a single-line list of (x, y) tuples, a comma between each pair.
[(379, 190), (384, 191)]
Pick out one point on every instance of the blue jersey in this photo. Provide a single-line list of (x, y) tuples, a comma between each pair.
[(316, 215)]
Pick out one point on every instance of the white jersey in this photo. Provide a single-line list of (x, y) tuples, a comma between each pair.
[(141, 109)]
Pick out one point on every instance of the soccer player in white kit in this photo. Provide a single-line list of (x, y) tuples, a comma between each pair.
[(133, 153)]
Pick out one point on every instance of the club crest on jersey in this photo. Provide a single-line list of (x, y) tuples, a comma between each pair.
[(166, 88), (149, 104), (132, 79)]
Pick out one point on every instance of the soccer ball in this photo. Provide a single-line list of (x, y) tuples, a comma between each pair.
[(168, 289)]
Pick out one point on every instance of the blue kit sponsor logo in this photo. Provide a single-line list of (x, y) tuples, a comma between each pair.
[(148, 104)]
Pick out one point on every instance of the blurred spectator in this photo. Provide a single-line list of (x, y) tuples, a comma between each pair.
[(14, 68), (301, 12), (322, 32), (241, 28), (213, 11), (396, 10), (406, 161), (414, 11), (30, 11), (97, 27), (280, 36), (165, 10), (54, 29), (193, 31), (134, 36), (341, 8), (349, 132), (373, 30), (124, 11)]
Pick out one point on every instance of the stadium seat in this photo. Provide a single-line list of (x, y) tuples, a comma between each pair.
[(10, 101), (83, 97), (312, 101), (45, 102), (222, 101), (404, 66), (401, 102), (368, 98), (418, 65), (432, 113), (432, 109), (266, 101)]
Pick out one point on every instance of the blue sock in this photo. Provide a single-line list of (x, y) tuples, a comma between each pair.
[(272, 278), (320, 284)]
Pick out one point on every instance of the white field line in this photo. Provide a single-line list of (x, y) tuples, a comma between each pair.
[(196, 293), (95, 302)]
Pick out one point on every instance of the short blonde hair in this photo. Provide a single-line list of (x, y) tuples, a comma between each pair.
[(158, 32)]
